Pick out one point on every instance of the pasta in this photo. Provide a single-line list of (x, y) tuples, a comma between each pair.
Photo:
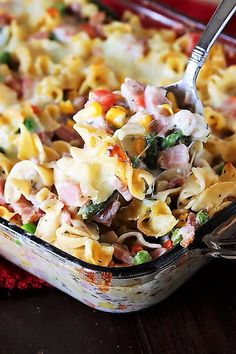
[(94, 155)]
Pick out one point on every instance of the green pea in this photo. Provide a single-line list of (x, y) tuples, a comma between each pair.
[(135, 161), (30, 124), (171, 139), (141, 257), (220, 169), (91, 209), (5, 58), (176, 237), (202, 217), (61, 8), (52, 37), (29, 227), (152, 151)]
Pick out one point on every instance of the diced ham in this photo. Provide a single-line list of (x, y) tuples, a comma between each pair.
[(96, 51), (39, 35), (27, 87), (139, 97), (79, 102), (65, 216), (2, 198), (192, 220), (108, 214), (133, 46), (132, 90), (185, 121), (96, 21), (122, 254), (191, 124), (123, 190), (16, 219), (68, 134), (94, 26), (174, 157), (161, 125), (187, 232), (154, 96), (27, 211), (175, 182), (109, 237), (15, 83), (64, 32), (75, 8), (228, 107), (5, 19), (72, 26), (45, 138), (70, 194), (90, 30)]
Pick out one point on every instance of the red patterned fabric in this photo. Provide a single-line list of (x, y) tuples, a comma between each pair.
[(13, 277)]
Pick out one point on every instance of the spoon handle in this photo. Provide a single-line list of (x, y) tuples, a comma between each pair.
[(217, 23), (215, 26)]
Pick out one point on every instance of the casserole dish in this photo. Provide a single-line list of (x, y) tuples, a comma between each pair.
[(122, 289)]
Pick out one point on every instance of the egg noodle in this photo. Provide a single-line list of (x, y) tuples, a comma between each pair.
[(96, 158)]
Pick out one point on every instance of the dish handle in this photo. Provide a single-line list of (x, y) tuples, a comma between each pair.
[(221, 242)]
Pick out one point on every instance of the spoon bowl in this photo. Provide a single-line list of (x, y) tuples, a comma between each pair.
[(186, 96)]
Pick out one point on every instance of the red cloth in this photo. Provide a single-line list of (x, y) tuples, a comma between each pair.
[(13, 277), (192, 8), (200, 10)]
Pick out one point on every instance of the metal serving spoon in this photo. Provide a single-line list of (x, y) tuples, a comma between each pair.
[(185, 90)]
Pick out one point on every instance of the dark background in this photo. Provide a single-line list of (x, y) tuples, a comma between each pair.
[(200, 317)]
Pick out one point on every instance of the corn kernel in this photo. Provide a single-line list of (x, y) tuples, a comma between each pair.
[(116, 116), (145, 121), (93, 110), (70, 123), (166, 109), (4, 120), (66, 107), (139, 145), (172, 99)]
